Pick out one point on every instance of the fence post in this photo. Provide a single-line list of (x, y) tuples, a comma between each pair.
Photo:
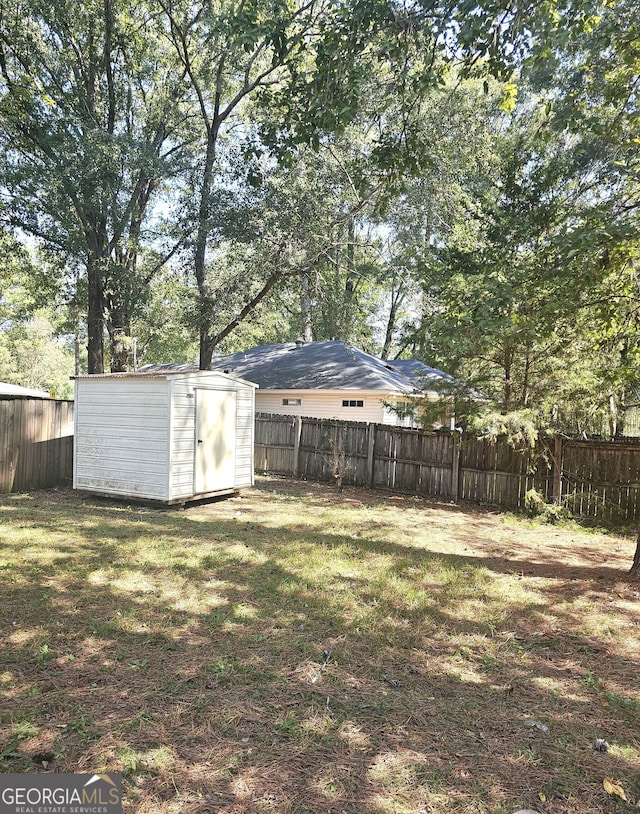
[(371, 441), (297, 434), (557, 470), (455, 466)]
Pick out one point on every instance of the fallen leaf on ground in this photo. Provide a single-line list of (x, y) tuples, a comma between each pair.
[(614, 789)]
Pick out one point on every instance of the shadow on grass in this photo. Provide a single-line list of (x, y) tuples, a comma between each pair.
[(230, 662)]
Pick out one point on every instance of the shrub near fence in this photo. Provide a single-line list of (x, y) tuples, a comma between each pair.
[(592, 478), (36, 444)]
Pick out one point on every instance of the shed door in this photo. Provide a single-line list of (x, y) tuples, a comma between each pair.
[(215, 440)]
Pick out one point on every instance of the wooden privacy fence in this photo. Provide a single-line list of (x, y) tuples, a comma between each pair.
[(36, 444), (591, 478)]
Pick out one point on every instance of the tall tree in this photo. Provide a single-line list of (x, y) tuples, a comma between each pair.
[(527, 260), (295, 231), (88, 104), (231, 54), (309, 67)]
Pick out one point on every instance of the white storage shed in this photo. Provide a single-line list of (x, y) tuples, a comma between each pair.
[(162, 435)]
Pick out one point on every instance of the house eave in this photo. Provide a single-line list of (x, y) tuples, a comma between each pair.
[(383, 394)]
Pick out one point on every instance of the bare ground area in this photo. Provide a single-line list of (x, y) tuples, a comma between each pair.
[(296, 649)]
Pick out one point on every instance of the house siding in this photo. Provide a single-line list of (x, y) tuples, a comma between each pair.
[(323, 405)]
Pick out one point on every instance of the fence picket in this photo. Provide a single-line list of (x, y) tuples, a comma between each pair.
[(36, 444)]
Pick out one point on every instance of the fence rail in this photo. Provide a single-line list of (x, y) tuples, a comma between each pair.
[(592, 478), (36, 444)]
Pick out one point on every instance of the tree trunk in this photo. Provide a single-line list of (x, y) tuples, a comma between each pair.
[(200, 264), (634, 572), (95, 318), (119, 328), (206, 346), (620, 414), (507, 383), (397, 297), (119, 353), (525, 382), (613, 416), (305, 308)]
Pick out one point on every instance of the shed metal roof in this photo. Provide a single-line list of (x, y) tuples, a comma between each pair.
[(162, 372)]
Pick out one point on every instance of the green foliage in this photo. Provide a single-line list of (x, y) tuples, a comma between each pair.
[(86, 105), (306, 75), (518, 427), (21, 286), (33, 355), (534, 502), (35, 348), (537, 507), (349, 170), (530, 294), (162, 328)]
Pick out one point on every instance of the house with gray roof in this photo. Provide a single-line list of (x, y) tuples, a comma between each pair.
[(420, 374), (333, 380), (330, 379)]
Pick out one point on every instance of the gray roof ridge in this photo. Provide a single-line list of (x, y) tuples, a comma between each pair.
[(325, 364), (321, 364)]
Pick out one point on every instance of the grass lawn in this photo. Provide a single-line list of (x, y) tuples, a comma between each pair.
[(296, 649)]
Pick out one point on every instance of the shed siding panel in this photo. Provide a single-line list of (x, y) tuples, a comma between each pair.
[(245, 428), (121, 437), (183, 419)]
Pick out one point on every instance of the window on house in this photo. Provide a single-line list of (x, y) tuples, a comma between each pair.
[(292, 402), (352, 403)]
